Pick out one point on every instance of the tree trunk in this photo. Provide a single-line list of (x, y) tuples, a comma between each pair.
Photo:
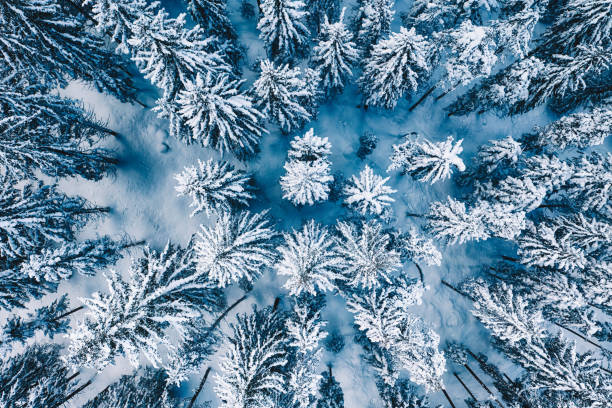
[(583, 337), (450, 401), (422, 98), (445, 283), (68, 313), (420, 271), (510, 259), (73, 393), (483, 385), (465, 386), (202, 382), (415, 215), (225, 312), (443, 94), (276, 303)]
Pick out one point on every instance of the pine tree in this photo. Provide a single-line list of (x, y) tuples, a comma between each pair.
[(394, 67), (251, 369), (505, 92), (319, 9), (279, 92), (401, 395), (305, 331), (211, 15), (43, 40), (412, 246), (309, 260), (237, 246), (36, 215), (373, 21), (306, 182), (504, 152), (46, 319), (519, 194), (53, 264), (334, 54), (310, 147), (590, 185), (368, 258), (169, 55), (313, 93), (41, 130), (146, 388), (330, 391), (425, 160), (368, 192), (17, 289), (163, 290), (281, 27), (471, 54), (219, 115), (579, 130), (308, 170), (453, 223), (37, 378), (579, 23), (213, 187), (514, 34), (116, 17)]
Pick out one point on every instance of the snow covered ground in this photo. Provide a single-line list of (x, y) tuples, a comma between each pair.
[(145, 206)]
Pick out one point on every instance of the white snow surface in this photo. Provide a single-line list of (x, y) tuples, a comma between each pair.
[(145, 206)]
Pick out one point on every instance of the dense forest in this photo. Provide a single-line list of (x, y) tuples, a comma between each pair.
[(360, 203)]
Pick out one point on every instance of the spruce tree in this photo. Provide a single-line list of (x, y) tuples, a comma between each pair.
[(368, 193), (282, 27)]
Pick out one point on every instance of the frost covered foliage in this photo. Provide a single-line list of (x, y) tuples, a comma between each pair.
[(213, 187), (279, 93), (373, 21), (394, 68), (305, 330), (146, 388), (335, 54), (579, 130), (414, 247), (308, 170), (368, 259), (282, 27), (250, 371), (37, 378), (368, 193), (36, 215), (309, 260), (556, 369), (237, 246), (427, 161), (408, 343), (471, 53), (220, 115), (162, 290), (330, 391), (46, 319), (454, 223)]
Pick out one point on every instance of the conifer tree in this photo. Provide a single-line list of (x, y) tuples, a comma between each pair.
[(394, 68), (279, 92), (368, 258), (319, 9), (334, 54), (37, 378), (146, 388), (427, 161), (237, 246), (282, 27), (213, 187), (47, 319), (309, 260), (368, 192), (43, 40), (373, 21), (219, 115), (163, 290), (330, 391), (36, 215), (251, 369), (308, 170), (578, 130), (451, 221), (211, 15)]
